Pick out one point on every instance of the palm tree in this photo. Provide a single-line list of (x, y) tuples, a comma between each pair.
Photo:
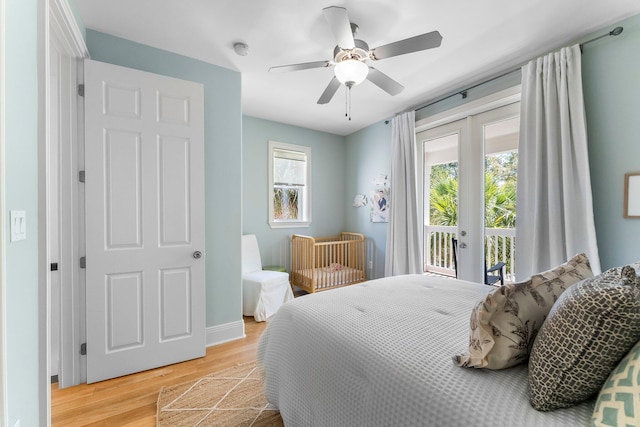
[(500, 190), (500, 198), (443, 203), (499, 203)]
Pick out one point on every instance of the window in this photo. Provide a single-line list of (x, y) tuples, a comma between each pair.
[(289, 185)]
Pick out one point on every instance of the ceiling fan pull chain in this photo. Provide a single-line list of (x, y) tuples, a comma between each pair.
[(350, 103), (346, 102)]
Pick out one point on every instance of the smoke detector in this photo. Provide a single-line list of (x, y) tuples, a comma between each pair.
[(241, 48)]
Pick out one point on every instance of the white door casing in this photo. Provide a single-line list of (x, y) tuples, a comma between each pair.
[(60, 239), (144, 162), (56, 112), (4, 417)]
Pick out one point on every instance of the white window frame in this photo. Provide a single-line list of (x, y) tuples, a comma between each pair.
[(306, 200)]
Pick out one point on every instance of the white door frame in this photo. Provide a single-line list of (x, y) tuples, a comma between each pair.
[(70, 303), (4, 420), (57, 20)]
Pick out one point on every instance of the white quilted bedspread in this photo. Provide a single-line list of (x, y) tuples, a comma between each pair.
[(379, 354)]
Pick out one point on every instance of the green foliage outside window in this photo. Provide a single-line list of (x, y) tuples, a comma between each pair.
[(500, 197)]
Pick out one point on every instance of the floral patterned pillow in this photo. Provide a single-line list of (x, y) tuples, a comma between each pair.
[(505, 323)]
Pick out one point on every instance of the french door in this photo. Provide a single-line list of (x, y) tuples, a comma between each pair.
[(468, 168)]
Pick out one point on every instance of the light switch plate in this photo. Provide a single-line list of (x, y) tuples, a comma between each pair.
[(18, 221)]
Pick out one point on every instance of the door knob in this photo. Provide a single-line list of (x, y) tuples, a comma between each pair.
[(463, 245), (197, 254)]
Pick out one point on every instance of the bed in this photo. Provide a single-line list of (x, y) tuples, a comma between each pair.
[(321, 263), (380, 354)]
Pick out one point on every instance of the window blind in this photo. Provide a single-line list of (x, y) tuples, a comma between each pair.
[(289, 168)]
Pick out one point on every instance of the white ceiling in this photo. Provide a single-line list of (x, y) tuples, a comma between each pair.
[(481, 39)]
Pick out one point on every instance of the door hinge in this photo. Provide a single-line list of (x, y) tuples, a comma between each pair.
[(81, 90), (54, 266), (83, 349), (81, 176), (83, 262)]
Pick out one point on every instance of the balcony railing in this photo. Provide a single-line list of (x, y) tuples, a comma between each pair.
[(438, 255)]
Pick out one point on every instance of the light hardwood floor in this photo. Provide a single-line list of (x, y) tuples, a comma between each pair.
[(131, 400)]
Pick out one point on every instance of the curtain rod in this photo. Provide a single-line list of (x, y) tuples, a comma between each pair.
[(615, 32)]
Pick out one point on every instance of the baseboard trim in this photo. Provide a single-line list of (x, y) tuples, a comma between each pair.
[(226, 332)]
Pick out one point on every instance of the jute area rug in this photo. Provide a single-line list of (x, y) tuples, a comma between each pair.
[(233, 397)]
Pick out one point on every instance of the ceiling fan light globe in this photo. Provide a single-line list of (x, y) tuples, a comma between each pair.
[(351, 71)]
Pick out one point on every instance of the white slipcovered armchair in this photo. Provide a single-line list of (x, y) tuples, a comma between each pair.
[(263, 291)]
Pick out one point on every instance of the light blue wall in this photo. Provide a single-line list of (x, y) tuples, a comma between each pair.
[(368, 155), (327, 177), (223, 157), (21, 185), (611, 81)]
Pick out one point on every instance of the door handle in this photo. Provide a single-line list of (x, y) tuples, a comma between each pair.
[(462, 245), (197, 254)]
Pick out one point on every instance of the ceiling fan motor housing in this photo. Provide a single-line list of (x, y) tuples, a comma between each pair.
[(359, 52)]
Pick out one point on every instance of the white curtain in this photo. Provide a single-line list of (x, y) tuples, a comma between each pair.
[(554, 202), (403, 251)]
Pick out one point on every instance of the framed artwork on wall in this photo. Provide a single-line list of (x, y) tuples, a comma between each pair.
[(379, 199), (632, 195), (379, 204)]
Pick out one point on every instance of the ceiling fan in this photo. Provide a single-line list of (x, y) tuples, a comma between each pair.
[(351, 54)]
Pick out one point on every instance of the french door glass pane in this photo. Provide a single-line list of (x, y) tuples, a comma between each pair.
[(441, 191), (501, 163)]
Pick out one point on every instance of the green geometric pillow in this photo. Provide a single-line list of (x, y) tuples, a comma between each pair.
[(618, 403)]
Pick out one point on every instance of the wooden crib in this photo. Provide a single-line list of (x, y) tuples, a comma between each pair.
[(321, 263)]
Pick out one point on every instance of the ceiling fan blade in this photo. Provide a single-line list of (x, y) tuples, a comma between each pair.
[(340, 26), (384, 82), (303, 66), (413, 44), (331, 90)]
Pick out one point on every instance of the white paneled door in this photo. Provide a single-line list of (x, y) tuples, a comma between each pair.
[(144, 185)]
